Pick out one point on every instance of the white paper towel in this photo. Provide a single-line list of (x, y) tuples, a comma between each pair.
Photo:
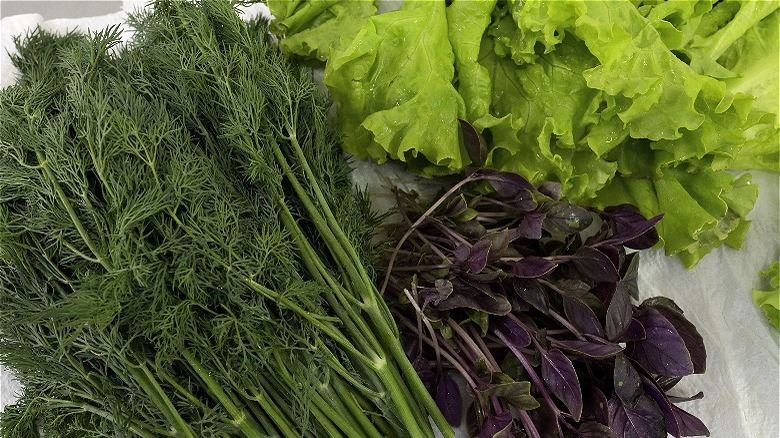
[(742, 382)]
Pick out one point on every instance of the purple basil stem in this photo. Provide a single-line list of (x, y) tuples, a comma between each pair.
[(497, 426), (582, 317), (663, 350), (627, 381), (449, 400), (513, 332), (474, 143), (559, 375), (619, 313), (532, 267), (645, 420), (590, 349), (595, 265), (478, 257), (693, 340)]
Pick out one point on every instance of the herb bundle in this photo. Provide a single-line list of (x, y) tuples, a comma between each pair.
[(528, 299), (181, 250)]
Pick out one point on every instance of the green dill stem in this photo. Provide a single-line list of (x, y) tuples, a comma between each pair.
[(71, 212), (339, 419), (140, 429), (262, 415), (152, 388), (378, 312), (269, 407), (348, 399), (241, 418)]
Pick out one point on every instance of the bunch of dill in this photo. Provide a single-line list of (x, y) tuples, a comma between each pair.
[(181, 250)]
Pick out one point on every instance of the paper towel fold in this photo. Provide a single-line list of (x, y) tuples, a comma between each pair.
[(742, 382)]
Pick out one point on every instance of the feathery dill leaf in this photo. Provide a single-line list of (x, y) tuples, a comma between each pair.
[(181, 250)]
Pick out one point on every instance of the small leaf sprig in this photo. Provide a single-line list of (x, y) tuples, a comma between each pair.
[(530, 300)]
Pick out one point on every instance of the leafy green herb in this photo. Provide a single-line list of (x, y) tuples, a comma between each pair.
[(182, 252), (769, 300), (645, 103)]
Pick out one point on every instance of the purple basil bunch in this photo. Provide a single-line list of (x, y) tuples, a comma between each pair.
[(531, 304)]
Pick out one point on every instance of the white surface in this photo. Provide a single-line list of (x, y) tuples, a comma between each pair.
[(742, 382)]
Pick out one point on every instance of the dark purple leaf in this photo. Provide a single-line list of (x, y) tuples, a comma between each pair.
[(619, 313), (659, 302), (513, 332), (508, 184), (441, 290), (698, 396), (595, 265), (551, 189), (474, 143), (564, 218), (689, 424), (657, 394), (590, 349), (469, 297), (531, 292), (615, 254), (630, 228), (582, 317), (694, 343), (634, 332), (456, 206), (499, 242), (497, 426), (593, 429), (663, 350), (531, 226), (472, 229), (449, 400), (631, 275), (559, 375), (478, 257), (627, 381), (600, 411), (514, 393), (532, 267), (461, 253), (645, 420), (426, 374)]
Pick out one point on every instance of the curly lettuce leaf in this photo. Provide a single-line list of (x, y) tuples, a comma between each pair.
[(312, 29), (769, 300), (393, 85)]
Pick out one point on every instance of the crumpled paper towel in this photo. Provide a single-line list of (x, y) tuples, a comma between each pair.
[(742, 381)]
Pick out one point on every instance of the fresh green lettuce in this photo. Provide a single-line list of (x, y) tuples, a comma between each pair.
[(644, 102), (769, 300)]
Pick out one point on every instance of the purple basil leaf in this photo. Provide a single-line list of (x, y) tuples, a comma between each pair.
[(600, 411), (551, 189), (469, 297), (631, 229), (513, 332), (698, 396), (514, 393), (478, 257), (474, 143), (472, 229), (456, 206), (657, 394), (441, 290), (508, 184), (693, 340), (663, 350), (531, 226), (499, 242), (532, 293), (524, 201), (634, 332), (631, 275), (564, 218), (667, 383), (582, 316), (461, 253), (449, 400), (426, 374), (659, 302), (590, 349), (688, 424), (532, 267), (595, 265), (627, 381), (619, 313), (559, 375), (645, 420), (497, 426), (593, 429)]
